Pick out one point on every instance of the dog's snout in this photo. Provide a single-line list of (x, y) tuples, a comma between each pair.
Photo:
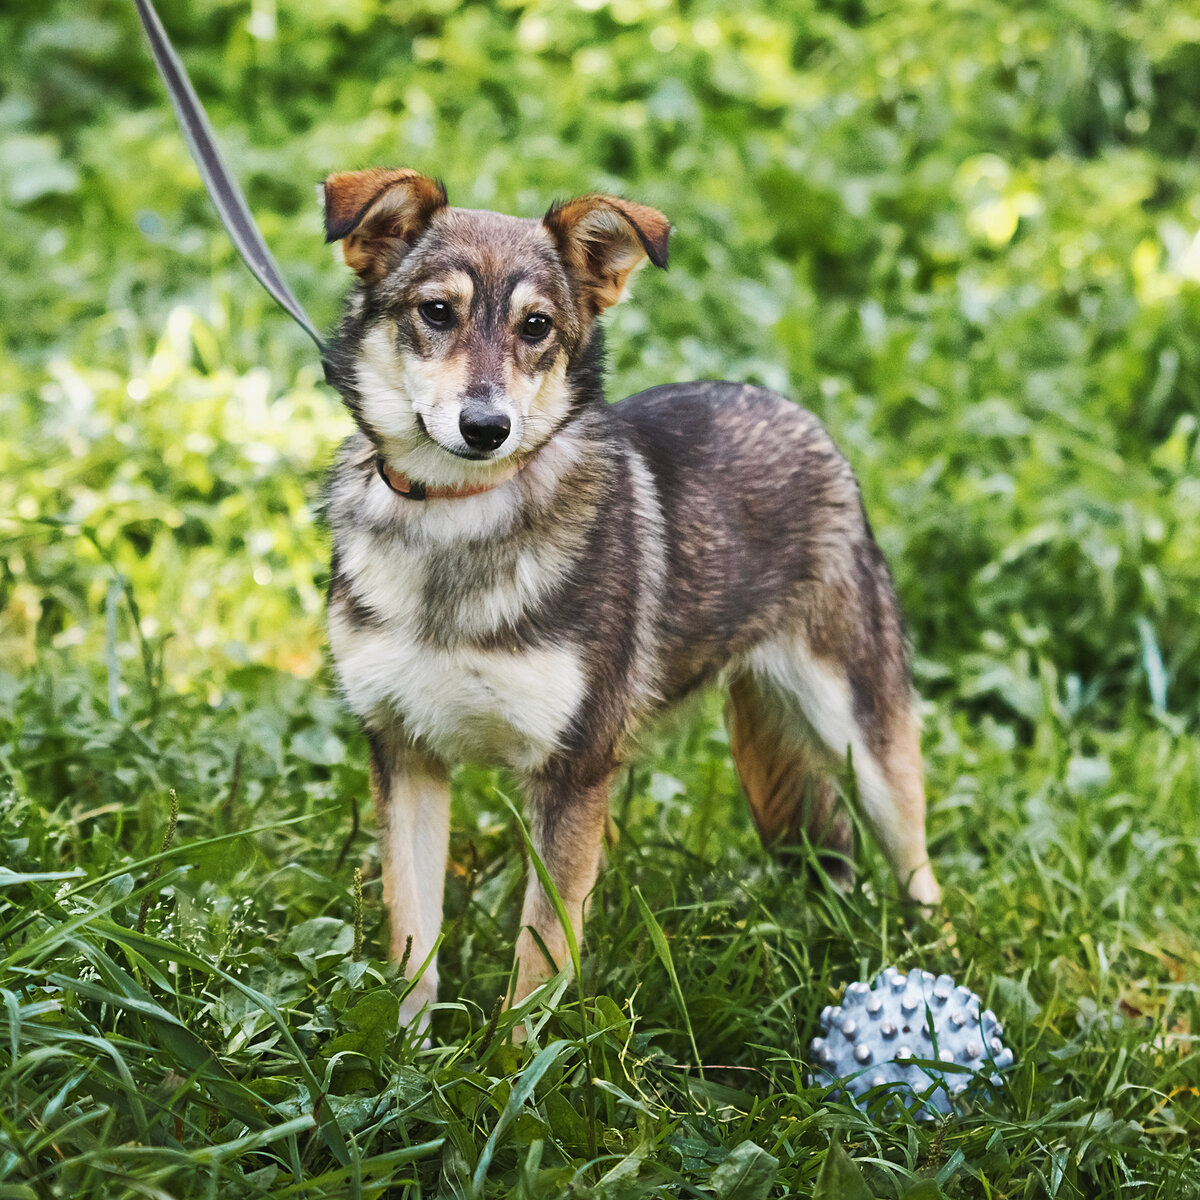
[(483, 426)]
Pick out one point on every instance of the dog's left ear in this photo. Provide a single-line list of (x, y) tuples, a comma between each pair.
[(603, 238), (378, 214)]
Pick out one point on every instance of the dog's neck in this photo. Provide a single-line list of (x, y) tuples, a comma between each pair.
[(412, 489)]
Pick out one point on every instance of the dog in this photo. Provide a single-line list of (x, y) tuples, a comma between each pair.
[(522, 574)]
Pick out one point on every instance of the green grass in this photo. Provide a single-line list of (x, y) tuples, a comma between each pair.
[(966, 237)]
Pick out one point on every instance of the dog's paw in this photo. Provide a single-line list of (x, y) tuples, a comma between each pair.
[(923, 888)]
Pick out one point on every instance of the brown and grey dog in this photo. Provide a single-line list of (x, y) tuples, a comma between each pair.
[(523, 574)]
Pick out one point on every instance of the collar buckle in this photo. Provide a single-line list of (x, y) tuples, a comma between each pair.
[(396, 482)]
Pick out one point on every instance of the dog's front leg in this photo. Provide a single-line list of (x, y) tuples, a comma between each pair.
[(568, 821), (411, 791)]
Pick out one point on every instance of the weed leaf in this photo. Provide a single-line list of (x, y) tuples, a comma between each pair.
[(840, 1178), (747, 1174)]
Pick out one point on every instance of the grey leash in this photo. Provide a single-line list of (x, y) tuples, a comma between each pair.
[(222, 187)]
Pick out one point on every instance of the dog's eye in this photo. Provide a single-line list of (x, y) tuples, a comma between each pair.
[(535, 327), (436, 313)]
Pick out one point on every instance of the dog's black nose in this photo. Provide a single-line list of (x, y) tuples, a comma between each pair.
[(483, 427)]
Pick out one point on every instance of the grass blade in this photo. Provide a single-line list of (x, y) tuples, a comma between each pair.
[(659, 940), (516, 1101), (560, 910)]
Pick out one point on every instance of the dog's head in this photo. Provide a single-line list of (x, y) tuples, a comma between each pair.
[(465, 325)]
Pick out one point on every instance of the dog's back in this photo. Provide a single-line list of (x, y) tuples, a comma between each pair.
[(760, 507)]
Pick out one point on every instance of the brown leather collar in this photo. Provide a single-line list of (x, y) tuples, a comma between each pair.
[(412, 490)]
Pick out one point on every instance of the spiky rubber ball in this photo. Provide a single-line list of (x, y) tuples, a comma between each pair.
[(895, 1033)]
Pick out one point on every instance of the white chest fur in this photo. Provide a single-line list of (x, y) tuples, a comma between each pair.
[(463, 702)]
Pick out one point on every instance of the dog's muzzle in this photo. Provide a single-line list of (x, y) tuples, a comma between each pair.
[(483, 426)]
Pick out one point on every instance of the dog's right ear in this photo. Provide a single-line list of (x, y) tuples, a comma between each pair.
[(378, 214), (603, 239)]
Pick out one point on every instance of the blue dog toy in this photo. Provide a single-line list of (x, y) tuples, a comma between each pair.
[(895, 1032)]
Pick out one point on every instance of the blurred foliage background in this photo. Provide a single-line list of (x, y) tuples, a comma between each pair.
[(966, 234)]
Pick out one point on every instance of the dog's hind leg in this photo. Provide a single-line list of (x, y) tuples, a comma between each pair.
[(891, 794), (840, 668), (781, 774), (785, 773)]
